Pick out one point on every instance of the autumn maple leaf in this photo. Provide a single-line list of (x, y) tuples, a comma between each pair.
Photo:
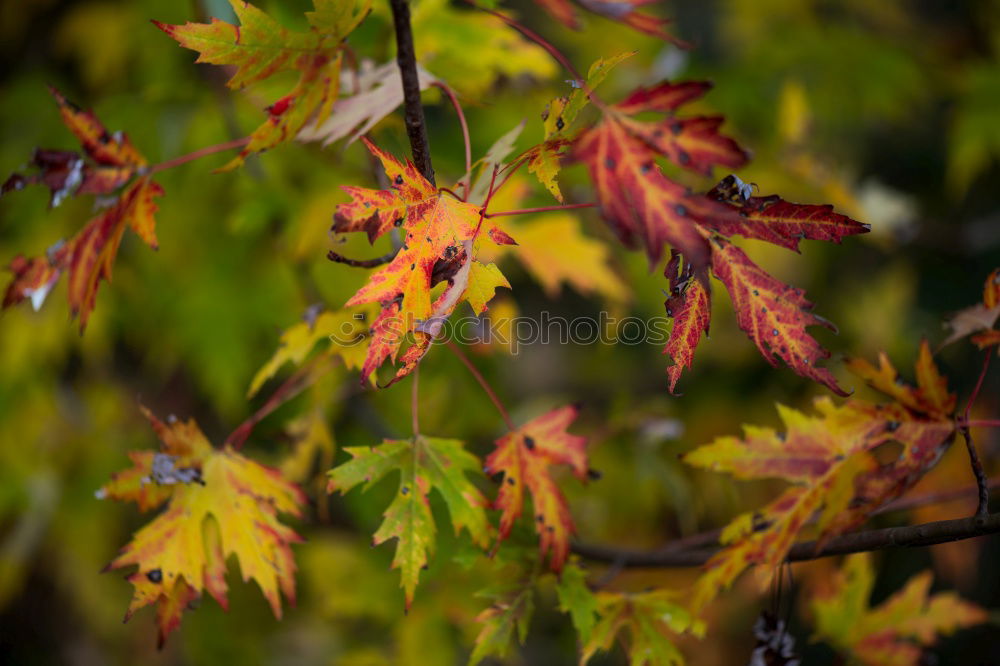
[(523, 456), (260, 47), (895, 632), (110, 161), (424, 464), (648, 209), (645, 621), (439, 231), (828, 459), (344, 329), (643, 206), (219, 503)]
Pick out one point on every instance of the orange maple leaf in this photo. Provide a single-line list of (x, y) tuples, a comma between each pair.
[(219, 503), (439, 233), (111, 161), (523, 456), (89, 256), (828, 459)]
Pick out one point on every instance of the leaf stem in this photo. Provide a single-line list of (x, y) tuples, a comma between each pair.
[(542, 209), (977, 466), (465, 136), (291, 387), (415, 401), (203, 152), (406, 59), (482, 382)]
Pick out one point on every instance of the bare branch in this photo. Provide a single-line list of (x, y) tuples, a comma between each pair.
[(406, 58), (926, 534)]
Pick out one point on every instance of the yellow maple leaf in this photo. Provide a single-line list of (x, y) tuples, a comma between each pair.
[(836, 478), (219, 503), (345, 329)]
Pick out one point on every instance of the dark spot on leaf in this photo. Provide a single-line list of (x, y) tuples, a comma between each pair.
[(593, 474), (683, 157), (892, 426), (529, 442), (540, 518), (550, 529), (559, 123), (404, 489), (398, 222), (646, 168), (155, 576), (609, 163), (774, 331), (680, 210), (412, 266), (399, 179), (676, 128), (511, 481)]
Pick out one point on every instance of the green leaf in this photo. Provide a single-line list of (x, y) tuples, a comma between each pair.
[(649, 619), (576, 599), (510, 613), (423, 463)]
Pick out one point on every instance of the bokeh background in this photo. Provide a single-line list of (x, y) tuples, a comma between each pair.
[(888, 110)]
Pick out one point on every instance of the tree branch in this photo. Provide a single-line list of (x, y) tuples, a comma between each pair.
[(926, 534), (406, 58)]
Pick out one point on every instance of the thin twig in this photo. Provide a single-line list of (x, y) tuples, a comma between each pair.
[(415, 401), (465, 135), (979, 423), (291, 387), (362, 263), (541, 209), (482, 382), (905, 503), (489, 197), (406, 58), (982, 508), (926, 534), (190, 157)]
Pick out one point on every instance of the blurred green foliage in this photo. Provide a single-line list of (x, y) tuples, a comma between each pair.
[(889, 110)]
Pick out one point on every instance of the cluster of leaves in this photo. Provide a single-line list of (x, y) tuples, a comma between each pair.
[(219, 503), (108, 163)]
